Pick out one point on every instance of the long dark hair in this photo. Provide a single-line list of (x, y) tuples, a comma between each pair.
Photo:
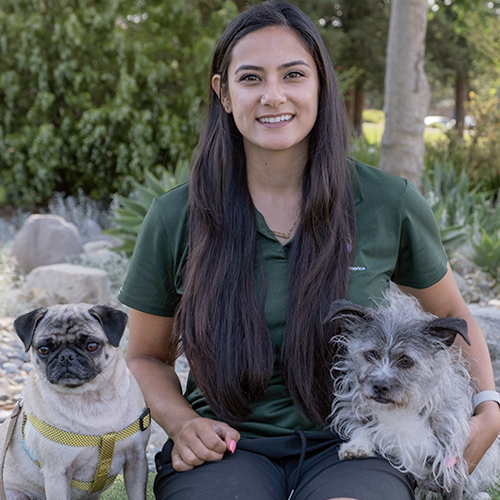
[(220, 317)]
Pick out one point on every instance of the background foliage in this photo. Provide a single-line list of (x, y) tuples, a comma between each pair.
[(91, 92), (479, 152)]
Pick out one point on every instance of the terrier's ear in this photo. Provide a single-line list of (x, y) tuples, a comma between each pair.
[(25, 325), (345, 311), (113, 322), (446, 330)]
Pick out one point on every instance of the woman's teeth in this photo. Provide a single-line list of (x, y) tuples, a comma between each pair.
[(275, 119)]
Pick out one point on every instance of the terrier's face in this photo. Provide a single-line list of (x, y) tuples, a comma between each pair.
[(391, 351), (391, 366)]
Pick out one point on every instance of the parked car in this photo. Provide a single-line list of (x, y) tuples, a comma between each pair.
[(442, 122), (446, 123)]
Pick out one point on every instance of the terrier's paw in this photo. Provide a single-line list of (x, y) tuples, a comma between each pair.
[(355, 449)]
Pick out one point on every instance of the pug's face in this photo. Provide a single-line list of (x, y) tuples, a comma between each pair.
[(71, 344)]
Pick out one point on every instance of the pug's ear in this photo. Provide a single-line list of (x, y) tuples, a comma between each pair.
[(345, 310), (446, 330), (113, 322), (26, 324)]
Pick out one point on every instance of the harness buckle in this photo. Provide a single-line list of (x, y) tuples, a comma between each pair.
[(146, 415)]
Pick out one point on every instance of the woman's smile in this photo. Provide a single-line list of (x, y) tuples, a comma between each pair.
[(279, 120)]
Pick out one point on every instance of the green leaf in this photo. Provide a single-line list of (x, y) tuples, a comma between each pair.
[(146, 194), (125, 213), (153, 184), (130, 224), (132, 206)]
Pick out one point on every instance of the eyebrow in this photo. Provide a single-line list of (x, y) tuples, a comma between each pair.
[(251, 67)]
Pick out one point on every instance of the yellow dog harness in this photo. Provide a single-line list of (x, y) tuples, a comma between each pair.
[(106, 444)]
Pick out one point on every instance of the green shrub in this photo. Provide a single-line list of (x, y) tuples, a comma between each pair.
[(479, 151), (484, 148), (130, 214), (461, 210), (487, 254), (92, 92)]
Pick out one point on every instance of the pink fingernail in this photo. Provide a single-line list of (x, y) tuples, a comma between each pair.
[(232, 446), (451, 462)]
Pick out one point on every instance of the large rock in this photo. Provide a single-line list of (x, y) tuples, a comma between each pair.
[(489, 321), (44, 240), (67, 283), (99, 250)]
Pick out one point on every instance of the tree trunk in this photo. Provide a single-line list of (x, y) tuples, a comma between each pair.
[(354, 102), (350, 99), (461, 95), (407, 92), (359, 104)]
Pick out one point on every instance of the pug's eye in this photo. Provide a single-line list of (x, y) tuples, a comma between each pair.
[(92, 346), (406, 362), (44, 350)]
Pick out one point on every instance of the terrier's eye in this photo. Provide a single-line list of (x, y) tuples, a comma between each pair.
[(44, 350), (406, 362), (371, 356), (92, 346)]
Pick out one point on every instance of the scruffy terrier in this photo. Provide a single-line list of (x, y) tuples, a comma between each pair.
[(404, 392)]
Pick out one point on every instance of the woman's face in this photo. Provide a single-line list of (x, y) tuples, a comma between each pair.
[(272, 90)]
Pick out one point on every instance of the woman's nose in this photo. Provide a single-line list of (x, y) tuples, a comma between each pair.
[(273, 94)]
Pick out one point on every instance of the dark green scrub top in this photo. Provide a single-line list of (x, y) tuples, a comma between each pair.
[(396, 239)]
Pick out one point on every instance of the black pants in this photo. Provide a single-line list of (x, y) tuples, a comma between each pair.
[(279, 468)]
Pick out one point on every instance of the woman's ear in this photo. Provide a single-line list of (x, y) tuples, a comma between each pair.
[(222, 93)]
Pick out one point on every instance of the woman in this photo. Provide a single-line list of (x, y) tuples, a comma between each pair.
[(243, 264)]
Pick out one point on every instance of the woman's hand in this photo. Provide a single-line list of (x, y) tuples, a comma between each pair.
[(202, 440), (484, 426)]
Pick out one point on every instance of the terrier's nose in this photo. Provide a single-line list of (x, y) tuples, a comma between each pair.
[(380, 387)]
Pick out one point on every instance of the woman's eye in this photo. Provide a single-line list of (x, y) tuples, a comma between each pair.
[(92, 346), (294, 74), (44, 350), (249, 78)]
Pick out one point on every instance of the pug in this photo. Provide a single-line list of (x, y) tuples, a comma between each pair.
[(84, 419)]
